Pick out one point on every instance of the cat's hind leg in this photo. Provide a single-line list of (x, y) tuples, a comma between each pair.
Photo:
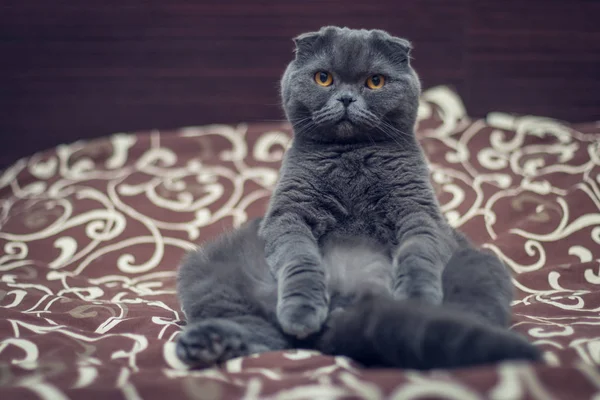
[(479, 284), (228, 297), (225, 320)]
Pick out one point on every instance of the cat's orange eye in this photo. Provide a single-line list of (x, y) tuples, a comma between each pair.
[(375, 82), (323, 78)]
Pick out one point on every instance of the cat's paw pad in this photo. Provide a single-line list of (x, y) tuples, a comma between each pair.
[(300, 318), (209, 342)]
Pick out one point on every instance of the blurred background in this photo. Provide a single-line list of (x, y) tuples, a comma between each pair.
[(80, 69)]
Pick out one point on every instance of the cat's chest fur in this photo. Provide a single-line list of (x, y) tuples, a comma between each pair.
[(357, 179), (358, 189)]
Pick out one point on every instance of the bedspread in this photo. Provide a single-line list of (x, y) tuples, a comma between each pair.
[(91, 234)]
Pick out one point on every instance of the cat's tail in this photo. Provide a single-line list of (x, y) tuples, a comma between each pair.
[(382, 332)]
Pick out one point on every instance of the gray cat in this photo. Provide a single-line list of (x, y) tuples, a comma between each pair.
[(353, 256)]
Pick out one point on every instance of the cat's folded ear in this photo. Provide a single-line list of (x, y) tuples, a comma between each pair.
[(306, 43), (399, 49), (400, 45)]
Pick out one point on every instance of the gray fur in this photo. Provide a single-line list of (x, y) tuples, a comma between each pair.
[(353, 170), (353, 256)]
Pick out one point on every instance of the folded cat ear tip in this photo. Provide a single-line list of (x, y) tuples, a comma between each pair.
[(406, 44), (305, 42), (310, 37), (306, 36)]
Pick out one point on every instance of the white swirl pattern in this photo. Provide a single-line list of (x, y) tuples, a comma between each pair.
[(91, 234)]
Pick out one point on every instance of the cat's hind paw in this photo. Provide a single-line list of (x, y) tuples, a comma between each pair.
[(213, 341)]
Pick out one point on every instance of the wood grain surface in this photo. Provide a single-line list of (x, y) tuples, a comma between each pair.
[(81, 69)]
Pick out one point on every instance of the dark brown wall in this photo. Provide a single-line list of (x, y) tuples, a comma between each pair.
[(75, 69)]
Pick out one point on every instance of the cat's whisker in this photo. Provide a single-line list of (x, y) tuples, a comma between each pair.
[(389, 134), (305, 123), (273, 120), (300, 122), (394, 128), (370, 138), (297, 120), (305, 128), (392, 132)]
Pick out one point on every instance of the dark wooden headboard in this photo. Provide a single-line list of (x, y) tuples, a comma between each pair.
[(78, 69)]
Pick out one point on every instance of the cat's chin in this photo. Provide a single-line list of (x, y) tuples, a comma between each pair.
[(345, 129)]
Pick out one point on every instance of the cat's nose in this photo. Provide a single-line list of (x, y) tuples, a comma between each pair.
[(346, 100)]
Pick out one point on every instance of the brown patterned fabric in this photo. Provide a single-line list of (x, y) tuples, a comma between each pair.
[(91, 234)]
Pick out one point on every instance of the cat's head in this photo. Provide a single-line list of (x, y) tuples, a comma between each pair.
[(351, 86)]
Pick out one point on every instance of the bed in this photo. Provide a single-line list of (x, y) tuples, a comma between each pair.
[(91, 234)]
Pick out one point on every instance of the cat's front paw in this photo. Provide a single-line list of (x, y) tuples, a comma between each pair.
[(416, 282), (213, 341), (301, 317)]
